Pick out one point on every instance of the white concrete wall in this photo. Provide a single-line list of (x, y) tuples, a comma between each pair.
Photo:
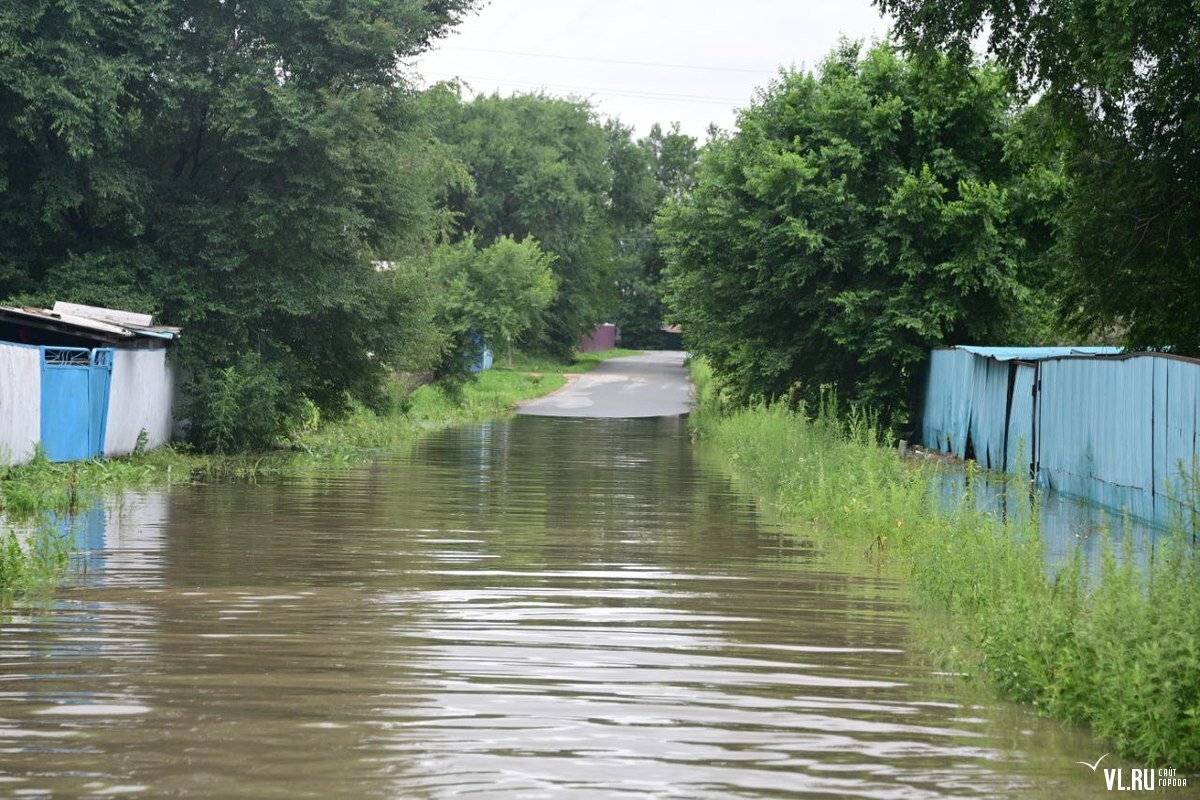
[(20, 402), (141, 396)]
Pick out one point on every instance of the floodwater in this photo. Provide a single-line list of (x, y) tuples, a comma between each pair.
[(530, 608), (1067, 526)]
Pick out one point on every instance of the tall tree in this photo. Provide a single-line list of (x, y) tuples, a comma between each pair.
[(645, 172), (1121, 81), (492, 296), (236, 167), (538, 166), (856, 218)]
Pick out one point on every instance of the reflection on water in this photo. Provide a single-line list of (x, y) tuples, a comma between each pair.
[(529, 608), (1066, 525)]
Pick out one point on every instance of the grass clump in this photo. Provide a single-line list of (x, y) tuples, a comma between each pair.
[(39, 486), (1116, 648), (30, 561), (494, 393)]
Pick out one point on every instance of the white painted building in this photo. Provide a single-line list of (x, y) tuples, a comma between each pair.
[(83, 382)]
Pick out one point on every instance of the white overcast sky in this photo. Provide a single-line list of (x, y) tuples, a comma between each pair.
[(646, 61)]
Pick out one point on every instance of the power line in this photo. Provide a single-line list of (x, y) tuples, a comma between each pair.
[(609, 60), (686, 98)]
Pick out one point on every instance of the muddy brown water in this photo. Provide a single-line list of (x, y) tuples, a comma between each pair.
[(529, 608)]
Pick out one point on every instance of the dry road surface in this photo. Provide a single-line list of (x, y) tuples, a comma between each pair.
[(650, 385)]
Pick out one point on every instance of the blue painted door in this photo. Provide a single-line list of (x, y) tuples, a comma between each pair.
[(99, 379), (75, 385)]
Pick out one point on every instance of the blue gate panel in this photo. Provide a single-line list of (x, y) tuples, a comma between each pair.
[(66, 402), (75, 384), (99, 380)]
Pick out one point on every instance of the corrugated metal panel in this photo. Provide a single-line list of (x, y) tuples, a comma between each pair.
[(1019, 459), (947, 416), (1036, 353), (1176, 402), (602, 337), (1119, 431), (1095, 433), (988, 410)]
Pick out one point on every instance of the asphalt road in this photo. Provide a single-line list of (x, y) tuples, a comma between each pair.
[(650, 385)]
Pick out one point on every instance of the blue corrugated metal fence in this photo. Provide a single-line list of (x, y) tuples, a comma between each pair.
[(1119, 430)]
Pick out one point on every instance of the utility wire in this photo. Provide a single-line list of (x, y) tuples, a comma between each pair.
[(687, 98), (609, 60)]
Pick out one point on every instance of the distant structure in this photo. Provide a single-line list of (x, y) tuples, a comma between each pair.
[(1120, 430), (672, 337), (602, 337), (484, 357), (83, 382)]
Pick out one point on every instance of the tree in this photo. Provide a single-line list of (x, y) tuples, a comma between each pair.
[(1121, 84), (856, 218), (538, 169), (237, 168), (493, 295), (645, 173)]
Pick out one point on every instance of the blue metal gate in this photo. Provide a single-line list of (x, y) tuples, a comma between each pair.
[(75, 383)]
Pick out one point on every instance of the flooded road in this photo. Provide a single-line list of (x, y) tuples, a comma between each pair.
[(653, 384), (531, 608)]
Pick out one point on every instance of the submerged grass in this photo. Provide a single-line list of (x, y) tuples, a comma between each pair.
[(30, 560), (1117, 649)]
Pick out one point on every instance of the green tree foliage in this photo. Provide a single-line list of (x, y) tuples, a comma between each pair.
[(645, 172), (237, 168), (539, 169), (492, 295), (856, 218), (1122, 82)]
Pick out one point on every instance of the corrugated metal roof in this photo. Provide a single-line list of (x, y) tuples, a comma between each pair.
[(1036, 353), (113, 316), (90, 324)]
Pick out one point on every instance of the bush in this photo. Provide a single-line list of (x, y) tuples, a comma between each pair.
[(243, 406)]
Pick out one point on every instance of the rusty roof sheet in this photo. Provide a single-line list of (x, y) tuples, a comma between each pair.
[(91, 325)]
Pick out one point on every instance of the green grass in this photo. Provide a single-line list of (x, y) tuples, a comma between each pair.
[(495, 393), (1118, 651)]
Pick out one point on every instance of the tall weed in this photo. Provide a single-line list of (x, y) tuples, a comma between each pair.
[(1118, 650), (30, 561)]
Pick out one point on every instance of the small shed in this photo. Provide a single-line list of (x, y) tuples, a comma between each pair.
[(672, 337), (603, 337), (83, 382)]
